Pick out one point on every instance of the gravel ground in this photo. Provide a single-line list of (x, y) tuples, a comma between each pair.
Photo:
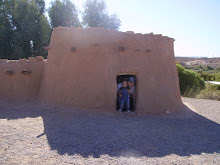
[(32, 133)]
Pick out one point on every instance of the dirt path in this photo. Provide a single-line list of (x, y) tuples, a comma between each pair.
[(33, 133)]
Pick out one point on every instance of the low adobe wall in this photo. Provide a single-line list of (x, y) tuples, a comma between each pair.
[(21, 79), (83, 65)]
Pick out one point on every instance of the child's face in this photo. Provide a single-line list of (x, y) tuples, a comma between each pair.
[(124, 83)]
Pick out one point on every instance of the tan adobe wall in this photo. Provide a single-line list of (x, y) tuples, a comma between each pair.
[(83, 65), (20, 80)]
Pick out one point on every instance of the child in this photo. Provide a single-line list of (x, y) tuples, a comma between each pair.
[(124, 96)]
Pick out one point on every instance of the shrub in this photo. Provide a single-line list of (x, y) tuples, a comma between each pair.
[(217, 76), (210, 68), (180, 68), (207, 76), (210, 92), (218, 68), (189, 79)]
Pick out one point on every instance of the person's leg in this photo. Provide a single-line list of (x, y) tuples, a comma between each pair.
[(131, 103), (128, 104), (118, 102), (122, 102)]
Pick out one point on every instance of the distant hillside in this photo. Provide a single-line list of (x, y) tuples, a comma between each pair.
[(190, 61)]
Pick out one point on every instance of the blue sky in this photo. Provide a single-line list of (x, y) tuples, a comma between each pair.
[(194, 24)]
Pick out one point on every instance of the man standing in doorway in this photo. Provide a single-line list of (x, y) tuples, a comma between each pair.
[(131, 87)]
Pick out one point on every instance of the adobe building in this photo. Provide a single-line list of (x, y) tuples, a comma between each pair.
[(83, 66)]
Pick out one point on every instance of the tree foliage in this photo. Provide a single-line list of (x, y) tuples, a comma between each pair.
[(96, 15), (63, 13), (6, 28), (189, 79), (24, 30)]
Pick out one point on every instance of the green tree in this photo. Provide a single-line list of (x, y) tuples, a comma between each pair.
[(41, 6), (96, 15), (63, 13), (6, 28), (32, 29), (28, 29)]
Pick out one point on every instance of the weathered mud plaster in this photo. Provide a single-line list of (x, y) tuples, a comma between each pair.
[(83, 64), (20, 80)]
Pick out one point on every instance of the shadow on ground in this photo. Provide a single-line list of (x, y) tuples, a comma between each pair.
[(96, 133)]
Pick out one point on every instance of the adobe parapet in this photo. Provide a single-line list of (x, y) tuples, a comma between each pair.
[(100, 30), (36, 58), (79, 40), (110, 32)]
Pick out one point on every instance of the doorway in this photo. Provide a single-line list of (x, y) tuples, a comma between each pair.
[(130, 80)]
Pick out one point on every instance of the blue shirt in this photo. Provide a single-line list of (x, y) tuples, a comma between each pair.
[(124, 92)]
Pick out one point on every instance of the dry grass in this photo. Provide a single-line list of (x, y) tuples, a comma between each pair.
[(210, 92)]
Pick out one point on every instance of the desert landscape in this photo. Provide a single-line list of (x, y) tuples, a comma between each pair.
[(194, 61)]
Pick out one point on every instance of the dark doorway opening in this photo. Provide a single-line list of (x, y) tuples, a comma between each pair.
[(131, 88)]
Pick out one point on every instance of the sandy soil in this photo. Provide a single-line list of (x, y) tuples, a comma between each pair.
[(32, 133)]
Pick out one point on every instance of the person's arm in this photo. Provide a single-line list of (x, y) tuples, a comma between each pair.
[(130, 90), (120, 92)]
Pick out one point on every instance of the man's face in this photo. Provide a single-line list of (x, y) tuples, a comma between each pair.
[(130, 84)]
